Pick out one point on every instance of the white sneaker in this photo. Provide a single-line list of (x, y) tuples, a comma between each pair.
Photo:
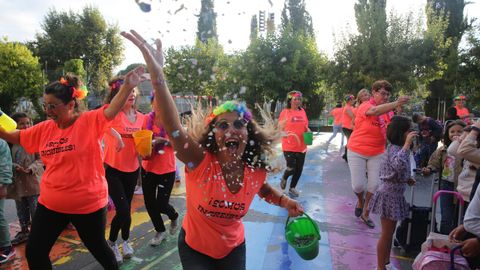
[(157, 239), (116, 252), (173, 226), (127, 250), (293, 192)]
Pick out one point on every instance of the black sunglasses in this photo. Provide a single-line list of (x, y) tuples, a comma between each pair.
[(237, 124)]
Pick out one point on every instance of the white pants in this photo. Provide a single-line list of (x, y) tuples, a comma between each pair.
[(364, 165)]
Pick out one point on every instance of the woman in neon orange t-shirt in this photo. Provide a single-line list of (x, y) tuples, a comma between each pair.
[(462, 111), (225, 168), (347, 120), (73, 187), (295, 122), (367, 144), (122, 167)]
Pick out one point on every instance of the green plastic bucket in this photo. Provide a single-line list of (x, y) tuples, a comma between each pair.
[(303, 235), (308, 137), (330, 121)]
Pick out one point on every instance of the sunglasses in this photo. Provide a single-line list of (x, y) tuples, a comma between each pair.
[(50, 106), (237, 124)]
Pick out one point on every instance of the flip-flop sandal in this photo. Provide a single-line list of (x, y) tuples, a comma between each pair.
[(368, 222)]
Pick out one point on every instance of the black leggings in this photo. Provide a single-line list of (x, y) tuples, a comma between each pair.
[(194, 260), (47, 226), (295, 161), (156, 193), (121, 186), (347, 132)]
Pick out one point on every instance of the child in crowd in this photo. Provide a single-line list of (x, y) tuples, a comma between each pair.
[(395, 172), (28, 169), (449, 167)]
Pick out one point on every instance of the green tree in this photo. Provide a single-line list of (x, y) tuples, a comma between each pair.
[(296, 19), (446, 56), (207, 22), (253, 28), (21, 76), (85, 36), (75, 66), (469, 58)]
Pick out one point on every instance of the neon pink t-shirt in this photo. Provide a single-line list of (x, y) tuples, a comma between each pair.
[(462, 112), (127, 159), (337, 116), (369, 136), (296, 123), (213, 221), (346, 119), (162, 159), (74, 179)]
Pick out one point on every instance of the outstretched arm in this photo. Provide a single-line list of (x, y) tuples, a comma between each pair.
[(188, 150), (274, 196)]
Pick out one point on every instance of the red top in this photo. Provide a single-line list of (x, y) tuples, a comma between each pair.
[(162, 160), (346, 119), (213, 221), (462, 112), (296, 123), (369, 136), (127, 159), (74, 180), (337, 116)]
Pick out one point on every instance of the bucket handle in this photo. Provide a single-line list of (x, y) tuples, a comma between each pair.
[(305, 214)]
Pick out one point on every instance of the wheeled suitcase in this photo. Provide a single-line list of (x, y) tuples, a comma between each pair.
[(413, 231)]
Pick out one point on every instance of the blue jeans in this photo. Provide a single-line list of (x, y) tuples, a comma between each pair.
[(336, 129), (447, 209), (4, 229)]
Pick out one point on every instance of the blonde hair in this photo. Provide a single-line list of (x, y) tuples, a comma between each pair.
[(260, 142)]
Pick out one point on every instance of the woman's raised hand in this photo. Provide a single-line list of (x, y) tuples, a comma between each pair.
[(153, 57), (134, 77)]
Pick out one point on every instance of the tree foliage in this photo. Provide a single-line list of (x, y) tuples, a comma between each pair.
[(207, 22), (75, 66), (21, 76), (296, 19), (85, 36)]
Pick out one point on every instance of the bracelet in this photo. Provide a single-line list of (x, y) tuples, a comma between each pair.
[(280, 200)]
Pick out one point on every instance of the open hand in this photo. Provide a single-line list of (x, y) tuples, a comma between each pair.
[(153, 57)]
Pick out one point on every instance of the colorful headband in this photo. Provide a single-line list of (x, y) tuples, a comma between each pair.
[(349, 97), (460, 97), (230, 106), (293, 94)]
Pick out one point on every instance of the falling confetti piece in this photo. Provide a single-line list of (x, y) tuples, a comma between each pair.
[(190, 164), (185, 146), (179, 9), (145, 6), (243, 89), (283, 60), (175, 133)]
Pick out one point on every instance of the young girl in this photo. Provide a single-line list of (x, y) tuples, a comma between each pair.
[(449, 168), (388, 200), (28, 170)]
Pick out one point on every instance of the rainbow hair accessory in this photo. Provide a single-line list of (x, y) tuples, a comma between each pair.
[(349, 97), (293, 94), (459, 97), (78, 93), (230, 106)]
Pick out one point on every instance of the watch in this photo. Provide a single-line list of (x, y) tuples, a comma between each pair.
[(476, 129)]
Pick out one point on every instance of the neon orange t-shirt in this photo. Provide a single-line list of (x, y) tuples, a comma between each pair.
[(162, 159), (337, 116), (213, 221), (296, 123), (369, 136), (74, 179), (346, 119), (462, 112), (127, 159)]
